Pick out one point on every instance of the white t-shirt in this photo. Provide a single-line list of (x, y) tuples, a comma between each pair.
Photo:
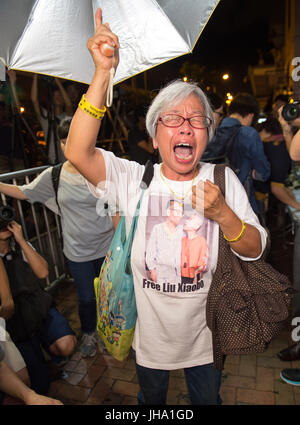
[(87, 232), (171, 330)]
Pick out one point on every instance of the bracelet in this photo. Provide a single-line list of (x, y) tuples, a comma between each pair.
[(87, 107), (239, 236)]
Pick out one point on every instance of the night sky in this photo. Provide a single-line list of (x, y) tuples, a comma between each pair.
[(229, 42)]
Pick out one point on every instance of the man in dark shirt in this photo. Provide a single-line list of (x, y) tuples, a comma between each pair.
[(237, 140), (140, 146)]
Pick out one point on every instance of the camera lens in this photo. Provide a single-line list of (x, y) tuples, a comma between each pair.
[(290, 112), (7, 214)]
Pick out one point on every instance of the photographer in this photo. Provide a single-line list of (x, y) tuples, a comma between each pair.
[(292, 140), (289, 118), (12, 357), (35, 321), (86, 232)]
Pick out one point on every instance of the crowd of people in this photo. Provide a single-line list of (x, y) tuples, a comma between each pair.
[(185, 132)]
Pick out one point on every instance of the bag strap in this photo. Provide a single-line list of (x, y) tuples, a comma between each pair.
[(219, 177), (148, 175), (145, 183), (229, 147), (224, 249), (55, 175)]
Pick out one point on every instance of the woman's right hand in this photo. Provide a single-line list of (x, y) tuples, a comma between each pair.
[(103, 34)]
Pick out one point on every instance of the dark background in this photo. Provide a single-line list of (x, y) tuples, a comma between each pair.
[(230, 42)]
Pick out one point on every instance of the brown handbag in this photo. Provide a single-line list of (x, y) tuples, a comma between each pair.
[(248, 301)]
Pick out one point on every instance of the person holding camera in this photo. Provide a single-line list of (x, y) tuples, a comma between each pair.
[(289, 121), (13, 356), (273, 195), (36, 322), (291, 115), (87, 230), (289, 118)]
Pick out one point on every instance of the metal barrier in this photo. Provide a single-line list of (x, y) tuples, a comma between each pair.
[(41, 227)]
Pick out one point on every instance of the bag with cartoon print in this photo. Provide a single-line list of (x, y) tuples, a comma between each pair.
[(114, 288)]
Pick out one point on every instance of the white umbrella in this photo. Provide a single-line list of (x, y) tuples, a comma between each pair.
[(49, 36)]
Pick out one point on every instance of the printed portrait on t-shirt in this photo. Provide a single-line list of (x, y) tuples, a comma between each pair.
[(178, 242)]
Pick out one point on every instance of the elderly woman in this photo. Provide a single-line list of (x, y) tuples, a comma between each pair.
[(171, 330)]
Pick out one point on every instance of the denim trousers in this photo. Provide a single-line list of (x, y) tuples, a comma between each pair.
[(203, 384), (84, 274)]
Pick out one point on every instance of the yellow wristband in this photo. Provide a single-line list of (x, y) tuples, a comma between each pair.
[(87, 107), (239, 236)]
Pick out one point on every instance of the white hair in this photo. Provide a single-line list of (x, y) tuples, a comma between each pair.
[(171, 95)]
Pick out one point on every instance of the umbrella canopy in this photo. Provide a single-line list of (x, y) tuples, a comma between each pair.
[(49, 36)]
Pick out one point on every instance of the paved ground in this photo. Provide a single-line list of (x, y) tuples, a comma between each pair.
[(247, 380), (252, 379)]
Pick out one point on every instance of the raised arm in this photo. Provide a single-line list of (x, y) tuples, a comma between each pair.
[(12, 190), (35, 97), (38, 264), (295, 147), (147, 145), (13, 78), (67, 100), (80, 147), (286, 129)]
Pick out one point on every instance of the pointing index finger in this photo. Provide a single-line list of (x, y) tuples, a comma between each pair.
[(98, 18)]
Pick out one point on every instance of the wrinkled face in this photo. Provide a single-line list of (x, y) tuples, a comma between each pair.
[(181, 148)]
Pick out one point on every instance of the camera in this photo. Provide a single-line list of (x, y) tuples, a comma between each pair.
[(291, 111), (7, 214)]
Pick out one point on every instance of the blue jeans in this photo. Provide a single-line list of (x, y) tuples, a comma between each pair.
[(203, 384), (84, 274)]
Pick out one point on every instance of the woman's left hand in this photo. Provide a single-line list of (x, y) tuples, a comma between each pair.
[(208, 200), (103, 35)]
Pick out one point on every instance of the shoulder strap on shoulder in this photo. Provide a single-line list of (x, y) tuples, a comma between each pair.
[(230, 150), (232, 138), (55, 174), (219, 177), (148, 175)]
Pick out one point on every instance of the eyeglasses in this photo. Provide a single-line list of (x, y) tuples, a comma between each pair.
[(174, 120)]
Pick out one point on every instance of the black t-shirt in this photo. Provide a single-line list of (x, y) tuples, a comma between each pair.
[(138, 154), (280, 162)]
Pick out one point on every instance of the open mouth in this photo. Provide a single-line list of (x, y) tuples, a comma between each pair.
[(183, 151)]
